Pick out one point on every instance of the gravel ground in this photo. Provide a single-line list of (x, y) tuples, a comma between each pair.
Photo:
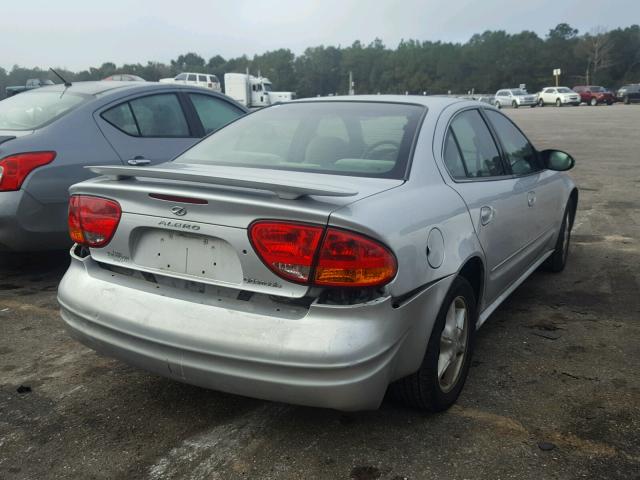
[(554, 391)]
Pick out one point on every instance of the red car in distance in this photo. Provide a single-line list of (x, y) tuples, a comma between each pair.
[(593, 95)]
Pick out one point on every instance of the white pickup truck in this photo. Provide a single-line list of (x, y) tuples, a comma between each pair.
[(204, 80), (253, 92)]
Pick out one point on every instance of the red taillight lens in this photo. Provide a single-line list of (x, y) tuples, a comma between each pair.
[(348, 259), (343, 259), (15, 168), (286, 248), (93, 220)]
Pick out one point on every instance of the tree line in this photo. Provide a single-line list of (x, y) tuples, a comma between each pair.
[(487, 62)]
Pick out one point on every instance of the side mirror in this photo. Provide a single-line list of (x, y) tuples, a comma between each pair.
[(557, 160)]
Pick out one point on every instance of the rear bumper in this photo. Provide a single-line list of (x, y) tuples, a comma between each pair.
[(26, 225), (340, 357)]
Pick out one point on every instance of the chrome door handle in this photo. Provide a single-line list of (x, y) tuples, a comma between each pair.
[(486, 215), (138, 161), (531, 198)]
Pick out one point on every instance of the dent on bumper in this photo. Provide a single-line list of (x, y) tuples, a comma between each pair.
[(340, 357)]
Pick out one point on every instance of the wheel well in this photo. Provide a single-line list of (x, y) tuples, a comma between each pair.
[(473, 272)]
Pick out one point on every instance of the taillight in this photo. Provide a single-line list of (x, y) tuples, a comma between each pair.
[(310, 255), (288, 249), (348, 259), (15, 168), (93, 220)]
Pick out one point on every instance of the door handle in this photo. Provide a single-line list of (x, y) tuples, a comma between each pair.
[(138, 161), (531, 198), (486, 214)]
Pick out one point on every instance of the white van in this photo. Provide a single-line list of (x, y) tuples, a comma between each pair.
[(204, 80)]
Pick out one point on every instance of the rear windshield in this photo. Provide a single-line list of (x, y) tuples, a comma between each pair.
[(371, 139), (28, 111)]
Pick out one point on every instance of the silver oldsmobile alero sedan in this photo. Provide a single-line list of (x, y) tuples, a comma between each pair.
[(320, 251)]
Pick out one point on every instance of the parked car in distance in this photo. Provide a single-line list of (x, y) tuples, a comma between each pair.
[(594, 95), (558, 96), (514, 97), (629, 93), (203, 80), (286, 267), (48, 136), (31, 84), (124, 77)]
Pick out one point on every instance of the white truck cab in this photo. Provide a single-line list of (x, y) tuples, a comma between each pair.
[(253, 92)]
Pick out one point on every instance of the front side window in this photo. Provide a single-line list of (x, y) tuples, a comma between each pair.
[(520, 153), (479, 152), (213, 112), (182, 76), (31, 110), (370, 139), (152, 116)]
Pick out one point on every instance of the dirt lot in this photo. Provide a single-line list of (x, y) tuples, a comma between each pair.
[(558, 363)]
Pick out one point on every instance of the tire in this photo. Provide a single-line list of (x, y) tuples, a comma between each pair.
[(514, 104), (626, 100), (497, 105), (558, 259), (533, 106), (593, 102), (425, 389), (541, 103), (558, 102)]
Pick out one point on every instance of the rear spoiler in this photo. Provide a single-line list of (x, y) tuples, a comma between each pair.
[(274, 182)]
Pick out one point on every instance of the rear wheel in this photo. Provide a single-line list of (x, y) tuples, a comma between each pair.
[(558, 259), (439, 380), (593, 102), (626, 100), (558, 102)]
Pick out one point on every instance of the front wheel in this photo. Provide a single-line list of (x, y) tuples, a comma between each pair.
[(439, 380), (497, 105), (626, 100), (514, 104), (593, 102), (558, 103), (541, 103)]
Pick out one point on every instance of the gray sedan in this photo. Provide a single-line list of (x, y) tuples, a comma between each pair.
[(317, 252), (48, 135)]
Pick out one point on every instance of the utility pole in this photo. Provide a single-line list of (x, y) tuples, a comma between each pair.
[(352, 85), (556, 73)]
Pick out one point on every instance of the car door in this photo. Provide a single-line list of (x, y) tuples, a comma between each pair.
[(548, 95), (544, 187), (497, 202), (148, 129)]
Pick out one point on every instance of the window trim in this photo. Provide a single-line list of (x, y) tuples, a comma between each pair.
[(197, 123)]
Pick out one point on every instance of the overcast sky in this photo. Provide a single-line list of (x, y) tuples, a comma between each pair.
[(77, 34)]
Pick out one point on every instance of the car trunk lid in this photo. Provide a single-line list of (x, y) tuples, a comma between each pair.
[(191, 222)]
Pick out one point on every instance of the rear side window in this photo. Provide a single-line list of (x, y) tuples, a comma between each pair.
[(122, 118), (479, 152), (151, 116), (192, 78), (452, 158), (31, 110), (520, 153), (202, 78), (213, 112)]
